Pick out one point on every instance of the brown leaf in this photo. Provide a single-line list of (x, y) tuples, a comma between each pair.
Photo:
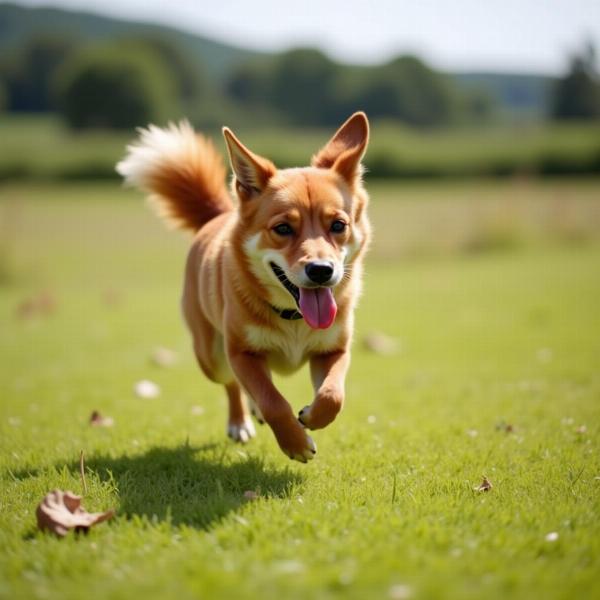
[(484, 486), (112, 297), (42, 304), (60, 511), (251, 495), (97, 420), (506, 427)]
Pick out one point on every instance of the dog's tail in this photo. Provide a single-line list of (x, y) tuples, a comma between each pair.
[(181, 172)]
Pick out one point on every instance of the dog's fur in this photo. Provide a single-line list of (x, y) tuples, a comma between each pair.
[(232, 295)]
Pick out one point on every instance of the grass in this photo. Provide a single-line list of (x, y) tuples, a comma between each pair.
[(43, 148), (506, 334)]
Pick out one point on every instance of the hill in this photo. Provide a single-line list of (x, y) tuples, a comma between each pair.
[(516, 95), (19, 23)]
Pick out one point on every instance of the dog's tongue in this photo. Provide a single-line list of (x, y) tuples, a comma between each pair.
[(318, 307)]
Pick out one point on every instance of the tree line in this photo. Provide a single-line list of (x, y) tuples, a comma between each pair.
[(136, 80)]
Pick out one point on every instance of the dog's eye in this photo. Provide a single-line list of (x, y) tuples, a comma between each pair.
[(338, 226), (283, 229)]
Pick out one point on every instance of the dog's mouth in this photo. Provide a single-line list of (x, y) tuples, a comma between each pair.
[(316, 304)]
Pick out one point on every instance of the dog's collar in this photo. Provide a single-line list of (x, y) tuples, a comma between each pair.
[(289, 314)]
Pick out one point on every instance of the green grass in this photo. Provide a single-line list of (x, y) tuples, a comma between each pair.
[(43, 148), (507, 333)]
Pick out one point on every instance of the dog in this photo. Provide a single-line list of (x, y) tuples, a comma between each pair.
[(274, 271)]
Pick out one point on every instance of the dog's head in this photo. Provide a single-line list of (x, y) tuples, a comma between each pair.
[(304, 228)]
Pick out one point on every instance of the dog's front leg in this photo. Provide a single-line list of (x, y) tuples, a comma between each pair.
[(253, 374), (328, 372)]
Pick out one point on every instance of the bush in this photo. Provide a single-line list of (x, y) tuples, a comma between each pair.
[(109, 88)]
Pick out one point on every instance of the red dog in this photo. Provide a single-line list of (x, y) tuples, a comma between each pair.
[(272, 279)]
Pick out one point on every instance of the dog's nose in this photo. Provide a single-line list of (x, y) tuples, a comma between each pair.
[(319, 271)]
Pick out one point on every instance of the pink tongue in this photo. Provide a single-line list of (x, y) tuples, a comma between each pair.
[(318, 307)]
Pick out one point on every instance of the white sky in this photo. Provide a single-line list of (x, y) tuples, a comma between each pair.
[(500, 35)]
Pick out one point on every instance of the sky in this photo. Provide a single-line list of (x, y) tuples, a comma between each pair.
[(456, 35)]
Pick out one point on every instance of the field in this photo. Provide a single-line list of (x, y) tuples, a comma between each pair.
[(491, 291), (43, 148)]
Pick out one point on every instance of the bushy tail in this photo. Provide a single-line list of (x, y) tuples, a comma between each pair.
[(181, 172)]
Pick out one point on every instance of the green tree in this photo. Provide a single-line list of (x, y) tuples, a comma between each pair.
[(303, 84), (189, 74), (577, 94), (30, 73), (106, 87), (409, 90)]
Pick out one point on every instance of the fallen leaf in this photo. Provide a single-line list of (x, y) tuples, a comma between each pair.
[(60, 511), (251, 495), (506, 427), (380, 343), (97, 420), (581, 430), (484, 486), (164, 357), (146, 389), (42, 304), (112, 297)]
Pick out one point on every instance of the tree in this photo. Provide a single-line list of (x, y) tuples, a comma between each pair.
[(30, 73), (303, 84), (577, 94), (409, 90), (105, 87)]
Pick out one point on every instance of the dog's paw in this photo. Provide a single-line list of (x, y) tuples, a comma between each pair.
[(256, 412), (241, 432), (304, 454), (304, 417)]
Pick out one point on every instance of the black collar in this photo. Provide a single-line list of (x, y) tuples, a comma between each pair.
[(289, 314)]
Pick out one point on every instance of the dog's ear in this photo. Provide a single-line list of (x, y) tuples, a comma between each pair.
[(252, 172), (344, 151)]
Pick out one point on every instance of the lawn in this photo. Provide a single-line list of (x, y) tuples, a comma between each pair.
[(492, 292)]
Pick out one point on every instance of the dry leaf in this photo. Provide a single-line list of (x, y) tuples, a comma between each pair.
[(42, 304), (60, 511), (112, 297), (582, 429), (97, 420), (146, 389), (164, 357), (379, 343), (506, 427), (484, 486), (251, 495)]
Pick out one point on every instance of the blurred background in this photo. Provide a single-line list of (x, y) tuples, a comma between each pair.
[(486, 118)]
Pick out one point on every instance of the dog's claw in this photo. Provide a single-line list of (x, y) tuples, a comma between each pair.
[(307, 453), (303, 416), (256, 412), (241, 432)]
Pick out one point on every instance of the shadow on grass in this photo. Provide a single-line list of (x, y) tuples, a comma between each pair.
[(195, 486), (187, 485)]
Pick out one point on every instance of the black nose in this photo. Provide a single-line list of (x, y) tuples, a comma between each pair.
[(319, 271)]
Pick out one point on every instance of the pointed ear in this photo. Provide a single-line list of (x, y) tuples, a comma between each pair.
[(252, 172), (344, 151)]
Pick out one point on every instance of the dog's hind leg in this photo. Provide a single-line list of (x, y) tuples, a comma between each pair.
[(239, 425)]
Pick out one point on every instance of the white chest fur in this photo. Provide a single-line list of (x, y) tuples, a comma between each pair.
[(288, 347)]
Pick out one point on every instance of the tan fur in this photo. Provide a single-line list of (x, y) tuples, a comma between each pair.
[(229, 288)]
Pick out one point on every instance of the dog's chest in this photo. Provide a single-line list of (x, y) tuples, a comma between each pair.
[(288, 348)]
